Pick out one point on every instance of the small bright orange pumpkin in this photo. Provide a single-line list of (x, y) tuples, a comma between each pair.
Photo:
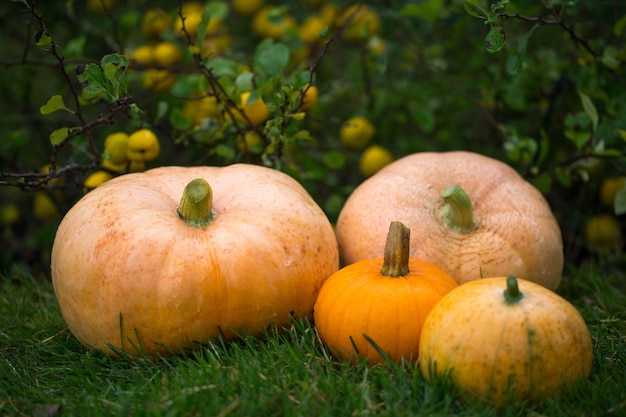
[(376, 307), (137, 268), (472, 215), (506, 339)]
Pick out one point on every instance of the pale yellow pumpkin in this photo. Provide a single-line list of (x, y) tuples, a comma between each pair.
[(505, 339), (471, 215), (131, 274)]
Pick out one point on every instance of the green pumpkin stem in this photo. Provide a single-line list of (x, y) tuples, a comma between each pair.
[(458, 213), (512, 293), (396, 260), (196, 204)]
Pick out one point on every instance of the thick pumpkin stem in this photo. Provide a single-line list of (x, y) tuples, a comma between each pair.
[(196, 204), (512, 293), (458, 213), (396, 260)]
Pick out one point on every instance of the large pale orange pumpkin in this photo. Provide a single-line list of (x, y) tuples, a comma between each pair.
[(506, 339), (375, 308), (470, 215), (136, 270)]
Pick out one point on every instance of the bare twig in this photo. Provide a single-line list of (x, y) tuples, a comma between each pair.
[(557, 20), (37, 180), (42, 29), (313, 66)]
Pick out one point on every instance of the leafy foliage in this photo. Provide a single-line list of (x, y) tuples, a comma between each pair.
[(539, 85)]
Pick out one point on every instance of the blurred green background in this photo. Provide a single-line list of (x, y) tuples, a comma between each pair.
[(540, 85)]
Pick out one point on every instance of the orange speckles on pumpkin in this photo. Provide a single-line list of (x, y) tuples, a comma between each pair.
[(516, 233), (123, 249), (542, 343)]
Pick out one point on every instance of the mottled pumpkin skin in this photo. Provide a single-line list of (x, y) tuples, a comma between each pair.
[(359, 300), (517, 232), (531, 348), (123, 255)]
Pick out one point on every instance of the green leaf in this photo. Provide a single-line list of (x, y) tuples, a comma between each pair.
[(161, 109), (498, 6), (216, 10), (129, 20), (244, 81), (410, 10), (114, 67), (203, 25), (178, 120), (252, 97), (578, 129), (302, 79), (495, 39), (619, 204), (278, 13), (107, 78), (430, 10), (474, 9), (134, 108), (334, 159), (302, 135), (75, 47), (43, 39), (516, 60), (424, 116), (334, 203), (222, 67), (53, 104), (92, 80), (563, 177), (610, 153), (225, 151), (271, 58), (610, 58), (590, 109), (59, 135), (619, 26), (521, 149), (543, 182)]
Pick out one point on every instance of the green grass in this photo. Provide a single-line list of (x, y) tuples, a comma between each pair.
[(288, 374)]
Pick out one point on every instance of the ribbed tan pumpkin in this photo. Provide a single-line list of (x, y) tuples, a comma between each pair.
[(139, 268), (470, 215)]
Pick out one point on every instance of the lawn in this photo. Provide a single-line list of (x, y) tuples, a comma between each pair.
[(44, 371)]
